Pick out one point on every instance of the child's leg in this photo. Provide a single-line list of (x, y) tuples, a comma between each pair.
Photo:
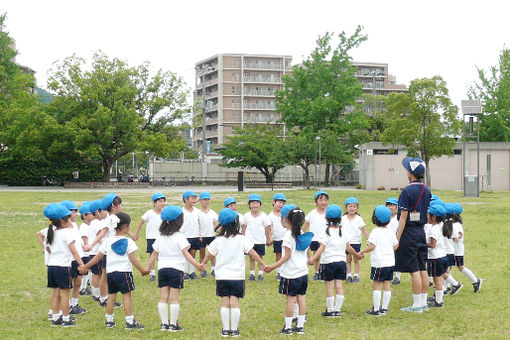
[(153, 266), (225, 312), (252, 266), (174, 305), (278, 257), (111, 303), (301, 300), (164, 293), (468, 273), (330, 295), (55, 301), (202, 254), (103, 287), (76, 291), (376, 295), (316, 264), (64, 303), (339, 299), (356, 266), (235, 312), (261, 272), (192, 252), (438, 282), (128, 307), (291, 300), (96, 279), (348, 261), (386, 295)]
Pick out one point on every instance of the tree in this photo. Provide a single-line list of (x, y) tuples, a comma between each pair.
[(255, 146), (114, 109), (423, 120), (493, 89)]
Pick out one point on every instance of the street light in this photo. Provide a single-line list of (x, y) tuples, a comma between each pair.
[(317, 181), (471, 108)]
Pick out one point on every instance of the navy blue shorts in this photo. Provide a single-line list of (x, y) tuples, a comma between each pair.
[(437, 267), (356, 247), (170, 277), (333, 271), (230, 288), (207, 241), (150, 242), (381, 274), (451, 260), (103, 262), (314, 245), (277, 247), (195, 243), (120, 282), (294, 287), (96, 269), (459, 261), (411, 254), (260, 249), (74, 269), (59, 277)]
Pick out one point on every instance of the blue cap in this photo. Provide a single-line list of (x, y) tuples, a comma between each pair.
[(96, 205), (333, 211), (286, 210), (229, 200), (351, 200), (437, 210), (56, 211), (108, 201), (318, 193), (85, 208), (69, 205), (392, 200), (414, 165), (171, 213), (438, 202), (279, 197), (450, 208), (255, 197), (188, 193), (382, 213), (205, 195), (434, 197), (227, 216), (156, 196), (457, 208)]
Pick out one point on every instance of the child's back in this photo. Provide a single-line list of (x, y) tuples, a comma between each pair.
[(229, 252)]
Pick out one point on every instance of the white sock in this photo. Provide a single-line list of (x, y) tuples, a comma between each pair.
[(235, 315), (73, 302), (89, 278), (212, 268), (469, 274), (288, 322), (163, 312), (225, 315), (339, 301), (252, 272), (55, 317), (356, 275), (50, 312), (330, 302), (296, 310), (261, 272), (95, 291), (349, 274), (301, 320), (83, 284), (153, 272), (439, 296), (450, 280), (66, 318), (376, 299), (109, 318), (103, 298), (386, 299), (397, 275), (174, 313), (130, 319), (431, 280), (417, 301)]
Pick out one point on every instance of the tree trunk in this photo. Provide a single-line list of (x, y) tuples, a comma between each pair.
[(326, 175), (428, 181), (106, 170), (307, 176)]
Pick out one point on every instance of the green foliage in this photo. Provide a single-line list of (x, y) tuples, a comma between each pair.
[(493, 89), (373, 117)]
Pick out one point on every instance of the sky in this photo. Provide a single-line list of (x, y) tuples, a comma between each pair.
[(417, 39)]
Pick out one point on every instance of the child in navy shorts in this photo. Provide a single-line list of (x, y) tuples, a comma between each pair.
[(316, 222)]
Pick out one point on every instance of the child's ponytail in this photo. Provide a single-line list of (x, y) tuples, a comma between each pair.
[(54, 223), (49, 236), (297, 218), (447, 227), (334, 221)]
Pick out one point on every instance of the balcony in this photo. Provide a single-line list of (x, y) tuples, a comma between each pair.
[(259, 106), (260, 93), (262, 80), (263, 66)]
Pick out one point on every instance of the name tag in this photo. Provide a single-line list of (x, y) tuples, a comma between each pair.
[(414, 216)]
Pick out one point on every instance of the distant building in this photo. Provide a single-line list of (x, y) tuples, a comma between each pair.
[(376, 79)]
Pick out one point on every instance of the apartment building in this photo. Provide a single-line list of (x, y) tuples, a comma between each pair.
[(376, 78), (236, 89)]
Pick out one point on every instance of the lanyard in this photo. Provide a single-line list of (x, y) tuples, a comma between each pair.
[(421, 193)]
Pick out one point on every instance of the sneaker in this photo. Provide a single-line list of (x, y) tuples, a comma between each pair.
[(412, 309), (435, 304), (235, 333), (455, 289), (315, 276), (50, 316), (355, 279), (134, 325), (349, 279), (110, 324), (85, 291), (337, 314), (447, 291), (152, 278), (213, 274), (70, 323), (396, 281), (203, 274), (95, 298), (57, 322), (261, 277), (383, 311), (328, 314), (77, 310), (225, 332), (101, 304), (373, 312), (117, 305), (477, 285), (193, 276), (425, 308), (286, 331), (175, 328), (431, 283), (252, 277), (278, 277), (165, 327), (299, 330), (186, 277)]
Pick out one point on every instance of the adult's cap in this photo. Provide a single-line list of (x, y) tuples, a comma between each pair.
[(351, 200), (287, 209), (392, 200), (69, 205), (188, 193), (229, 200), (318, 193), (108, 201), (457, 208), (171, 213), (56, 211), (414, 165), (227, 216), (85, 208), (279, 197), (156, 196), (205, 195), (333, 211), (382, 213), (255, 197), (437, 210)]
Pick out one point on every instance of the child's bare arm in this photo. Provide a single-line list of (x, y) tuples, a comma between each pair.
[(136, 263), (317, 255), (40, 238), (136, 235), (153, 258)]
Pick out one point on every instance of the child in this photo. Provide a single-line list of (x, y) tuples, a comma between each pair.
[(191, 229), (382, 242), (458, 245), (171, 249), (354, 225), (294, 273), (450, 284), (316, 221), (208, 220), (229, 248), (120, 251), (277, 229), (86, 217), (258, 231), (231, 203), (392, 204), (334, 243), (60, 245), (153, 219)]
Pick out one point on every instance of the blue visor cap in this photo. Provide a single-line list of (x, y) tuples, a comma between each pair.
[(85, 208), (450, 208), (205, 196), (438, 202), (227, 216), (229, 200), (434, 197), (171, 213), (351, 200), (382, 213), (255, 197), (69, 205), (392, 200), (107, 201), (303, 241), (414, 165), (188, 193), (318, 193), (56, 211), (156, 196), (457, 208), (437, 210), (120, 246), (279, 197), (334, 211), (96, 205), (287, 209)]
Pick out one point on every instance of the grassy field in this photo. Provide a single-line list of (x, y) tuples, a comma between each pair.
[(24, 298)]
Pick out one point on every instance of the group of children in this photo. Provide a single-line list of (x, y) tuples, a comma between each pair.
[(174, 235)]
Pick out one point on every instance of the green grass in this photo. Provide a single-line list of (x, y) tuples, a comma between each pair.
[(24, 298)]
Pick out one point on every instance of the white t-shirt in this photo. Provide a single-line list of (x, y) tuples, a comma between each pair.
[(60, 255), (170, 249), (353, 227), (439, 251), (458, 247), (335, 244), (114, 261), (384, 240), (229, 252), (207, 221), (95, 227), (242, 220), (317, 223), (191, 226), (44, 233), (296, 265), (153, 220), (77, 237), (255, 227), (277, 229), (84, 232), (393, 225), (448, 243), (108, 221)]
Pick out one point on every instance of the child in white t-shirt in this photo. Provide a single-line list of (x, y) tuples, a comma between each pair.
[(191, 229), (278, 231), (392, 204), (229, 249), (231, 203), (208, 220), (153, 219), (86, 217), (355, 226), (382, 244), (316, 222)]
